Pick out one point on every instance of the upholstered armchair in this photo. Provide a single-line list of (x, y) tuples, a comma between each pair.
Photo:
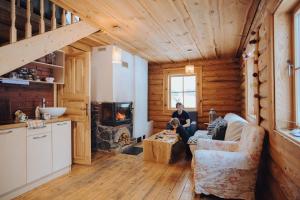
[(228, 169)]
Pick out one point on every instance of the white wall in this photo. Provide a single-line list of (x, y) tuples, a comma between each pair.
[(101, 74), (112, 82), (124, 78), (140, 116)]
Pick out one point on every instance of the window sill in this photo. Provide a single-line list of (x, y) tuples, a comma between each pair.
[(286, 133)]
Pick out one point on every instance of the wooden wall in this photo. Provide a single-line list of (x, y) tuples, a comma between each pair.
[(281, 164), (219, 88)]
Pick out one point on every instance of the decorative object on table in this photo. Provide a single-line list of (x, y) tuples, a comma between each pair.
[(212, 115), (295, 132), (20, 116), (33, 124), (49, 79)]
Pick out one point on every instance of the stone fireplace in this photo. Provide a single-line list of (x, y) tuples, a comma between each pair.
[(111, 132)]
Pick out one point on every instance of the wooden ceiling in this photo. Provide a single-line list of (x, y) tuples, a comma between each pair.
[(168, 30)]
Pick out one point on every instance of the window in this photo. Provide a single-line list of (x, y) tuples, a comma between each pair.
[(297, 65), (182, 89)]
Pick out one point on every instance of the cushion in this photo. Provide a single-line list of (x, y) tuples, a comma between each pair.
[(211, 126), (199, 134), (234, 130), (230, 117), (220, 130)]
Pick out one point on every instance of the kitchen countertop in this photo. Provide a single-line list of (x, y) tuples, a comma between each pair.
[(24, 124)]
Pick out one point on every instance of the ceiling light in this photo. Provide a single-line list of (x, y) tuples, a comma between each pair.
[(189, 69)]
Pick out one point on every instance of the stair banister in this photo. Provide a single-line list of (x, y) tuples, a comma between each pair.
[(53, 18), (28, 27), (63, 18), (42, 21), (13, 30)]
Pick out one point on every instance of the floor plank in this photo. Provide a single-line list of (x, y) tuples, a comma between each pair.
[(117, 177)]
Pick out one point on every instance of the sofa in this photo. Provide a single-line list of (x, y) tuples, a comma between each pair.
[(235, 124), (228, 169)]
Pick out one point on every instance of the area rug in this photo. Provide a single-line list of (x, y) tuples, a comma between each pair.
[(133, 150)]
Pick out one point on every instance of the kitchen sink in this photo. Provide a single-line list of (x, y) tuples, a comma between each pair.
[(53, 111)]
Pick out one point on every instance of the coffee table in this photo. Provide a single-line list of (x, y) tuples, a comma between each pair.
[(158, 149)]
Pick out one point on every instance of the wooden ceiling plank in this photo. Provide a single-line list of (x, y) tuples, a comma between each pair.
[(168, 19), (163, 30), (130, 18), (89, 13)]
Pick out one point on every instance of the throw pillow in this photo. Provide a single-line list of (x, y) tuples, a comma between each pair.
[(198, 134), (220, 130), (211, 126), (234, 130)]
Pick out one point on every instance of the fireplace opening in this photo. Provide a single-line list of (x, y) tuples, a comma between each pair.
[(116, 113)]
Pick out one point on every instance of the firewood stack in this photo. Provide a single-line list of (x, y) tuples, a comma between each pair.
[(124, 139)]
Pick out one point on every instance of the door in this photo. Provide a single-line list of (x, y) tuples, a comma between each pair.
[(75, 95), (12, 159), (39, 156), (61, 145)]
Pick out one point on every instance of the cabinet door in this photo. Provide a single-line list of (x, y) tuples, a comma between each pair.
[(12, 159), (39, 156), (61, 145)]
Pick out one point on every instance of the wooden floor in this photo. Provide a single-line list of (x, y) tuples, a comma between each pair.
[(120, 177)]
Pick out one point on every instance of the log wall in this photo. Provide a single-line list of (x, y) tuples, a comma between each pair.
[(219, 88), (280, 176)]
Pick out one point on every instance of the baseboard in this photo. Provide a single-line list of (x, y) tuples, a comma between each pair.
[(34, 184)]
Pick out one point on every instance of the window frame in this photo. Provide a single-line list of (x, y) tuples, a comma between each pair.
[(250, 116), (296, 67), (170, 92), (180, 70)]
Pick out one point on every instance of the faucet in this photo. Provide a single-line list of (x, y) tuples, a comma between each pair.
[(43, 102)]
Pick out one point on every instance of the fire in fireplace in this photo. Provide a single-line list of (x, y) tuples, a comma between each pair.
[(116, 113)]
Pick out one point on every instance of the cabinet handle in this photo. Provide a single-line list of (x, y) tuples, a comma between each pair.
[(6, 132), (61, 124), (39, 137)]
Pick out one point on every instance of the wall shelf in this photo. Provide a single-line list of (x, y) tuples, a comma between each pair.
[(41, 64), (30, 81), (55, 70)]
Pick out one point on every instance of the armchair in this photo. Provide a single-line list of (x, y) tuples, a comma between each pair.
[(228, 169)]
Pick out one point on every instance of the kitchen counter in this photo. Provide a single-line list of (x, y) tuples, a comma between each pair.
[(24, 124)]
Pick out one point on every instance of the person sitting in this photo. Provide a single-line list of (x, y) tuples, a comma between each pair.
[(184, 135), (182, 115)]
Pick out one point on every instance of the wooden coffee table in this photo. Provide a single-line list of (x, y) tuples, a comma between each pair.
[(159, 149)]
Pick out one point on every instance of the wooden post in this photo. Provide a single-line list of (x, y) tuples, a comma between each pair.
[(63, 17), (13, 30), (53, 18), (42, 21), (72, 18), (28, 27)]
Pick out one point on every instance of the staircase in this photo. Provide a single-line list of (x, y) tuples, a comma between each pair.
[(43, 32)]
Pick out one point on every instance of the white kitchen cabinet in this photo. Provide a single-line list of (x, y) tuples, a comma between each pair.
[(61, 145), (39, 153), (12, 159)]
